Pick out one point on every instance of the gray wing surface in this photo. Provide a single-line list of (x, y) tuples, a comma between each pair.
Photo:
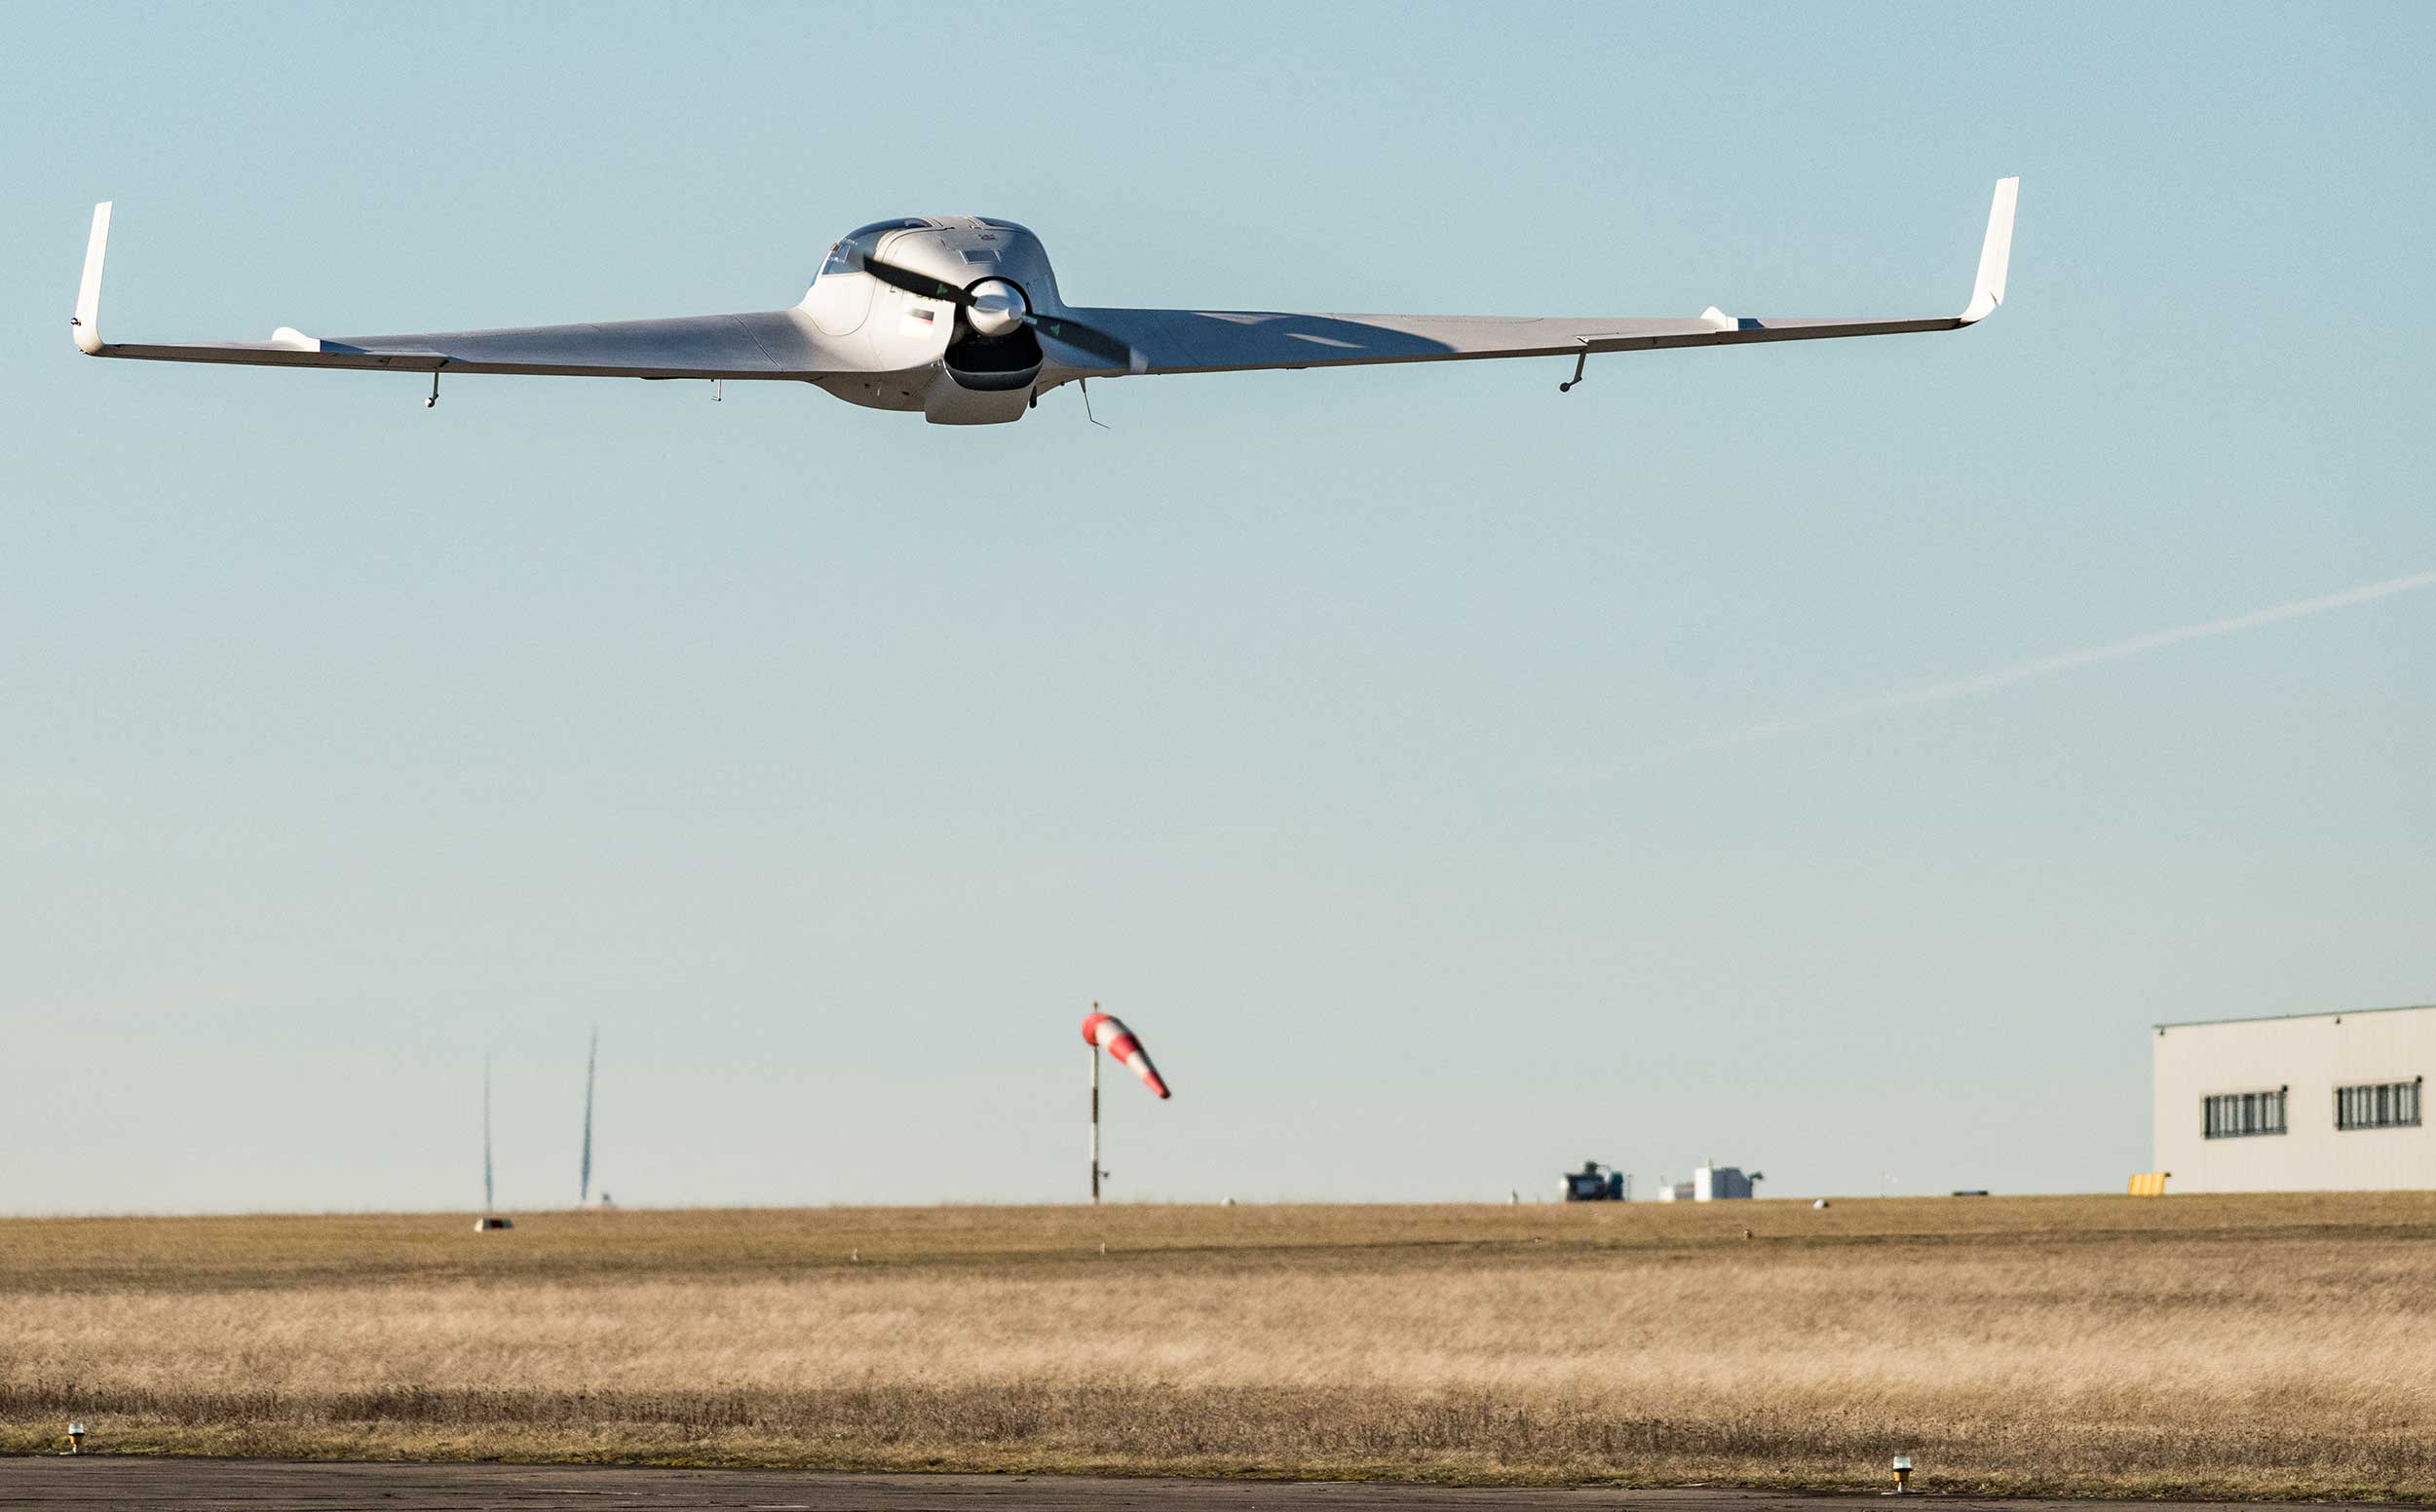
[(1218, 341), (1212, 341), (767, 345), (780, 344)]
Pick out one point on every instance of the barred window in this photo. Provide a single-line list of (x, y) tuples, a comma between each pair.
[(2233, 1114), (2379, 1105)]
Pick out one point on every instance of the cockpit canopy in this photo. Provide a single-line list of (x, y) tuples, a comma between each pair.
[(848, 254), (994, 236)]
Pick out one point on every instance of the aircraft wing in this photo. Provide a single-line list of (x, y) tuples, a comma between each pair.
[(1216, 341), (768, 344)]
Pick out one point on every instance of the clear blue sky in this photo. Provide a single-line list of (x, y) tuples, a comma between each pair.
[(833, 762)]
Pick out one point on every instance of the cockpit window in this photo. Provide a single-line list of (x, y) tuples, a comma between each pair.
[(1001, 225), (848, 254)]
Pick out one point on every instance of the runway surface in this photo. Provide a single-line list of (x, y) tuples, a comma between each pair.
[(105, 1481)]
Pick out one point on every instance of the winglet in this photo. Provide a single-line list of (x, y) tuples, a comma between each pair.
[(87, 321), (1996, 254)]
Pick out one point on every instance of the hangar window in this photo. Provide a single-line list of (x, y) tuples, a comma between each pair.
[(2380, 1105), (2233, 1114)]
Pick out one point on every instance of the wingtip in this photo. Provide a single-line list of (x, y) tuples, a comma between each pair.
[(86, 324), (1995, 253)]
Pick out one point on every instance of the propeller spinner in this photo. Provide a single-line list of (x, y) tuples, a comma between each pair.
[(994, 307), (998, 308)]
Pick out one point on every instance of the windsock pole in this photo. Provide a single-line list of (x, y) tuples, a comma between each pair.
[(1106, 1032)]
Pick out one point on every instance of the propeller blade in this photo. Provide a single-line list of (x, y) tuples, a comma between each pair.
[(1075, 334), (914, 282)]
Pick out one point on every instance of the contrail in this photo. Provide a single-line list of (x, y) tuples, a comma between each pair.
[(2043, 667)]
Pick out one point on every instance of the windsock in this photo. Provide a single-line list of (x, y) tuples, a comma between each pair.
[(1109, 1033)]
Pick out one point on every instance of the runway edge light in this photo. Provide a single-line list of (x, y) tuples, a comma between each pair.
[(1902, 1476)]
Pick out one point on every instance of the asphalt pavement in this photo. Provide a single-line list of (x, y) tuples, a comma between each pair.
[(109, 1481)]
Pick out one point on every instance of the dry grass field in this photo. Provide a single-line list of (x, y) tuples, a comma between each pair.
[(2252, 1347)]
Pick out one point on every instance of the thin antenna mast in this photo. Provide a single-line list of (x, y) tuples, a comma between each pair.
[(486, 1191), (592, 1062)]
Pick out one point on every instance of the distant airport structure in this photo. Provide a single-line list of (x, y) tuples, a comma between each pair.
[(1596, 1183), (1711, 1184), (2307, 1101)]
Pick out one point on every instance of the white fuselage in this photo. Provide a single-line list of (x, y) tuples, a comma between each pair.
[(922, 353)]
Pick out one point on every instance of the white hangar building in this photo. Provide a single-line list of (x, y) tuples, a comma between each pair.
[(2310, 1102)]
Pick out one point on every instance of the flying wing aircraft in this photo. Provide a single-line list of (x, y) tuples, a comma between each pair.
[(960, 316)]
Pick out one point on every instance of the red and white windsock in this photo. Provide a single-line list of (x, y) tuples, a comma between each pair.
[(1109, 1033)]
